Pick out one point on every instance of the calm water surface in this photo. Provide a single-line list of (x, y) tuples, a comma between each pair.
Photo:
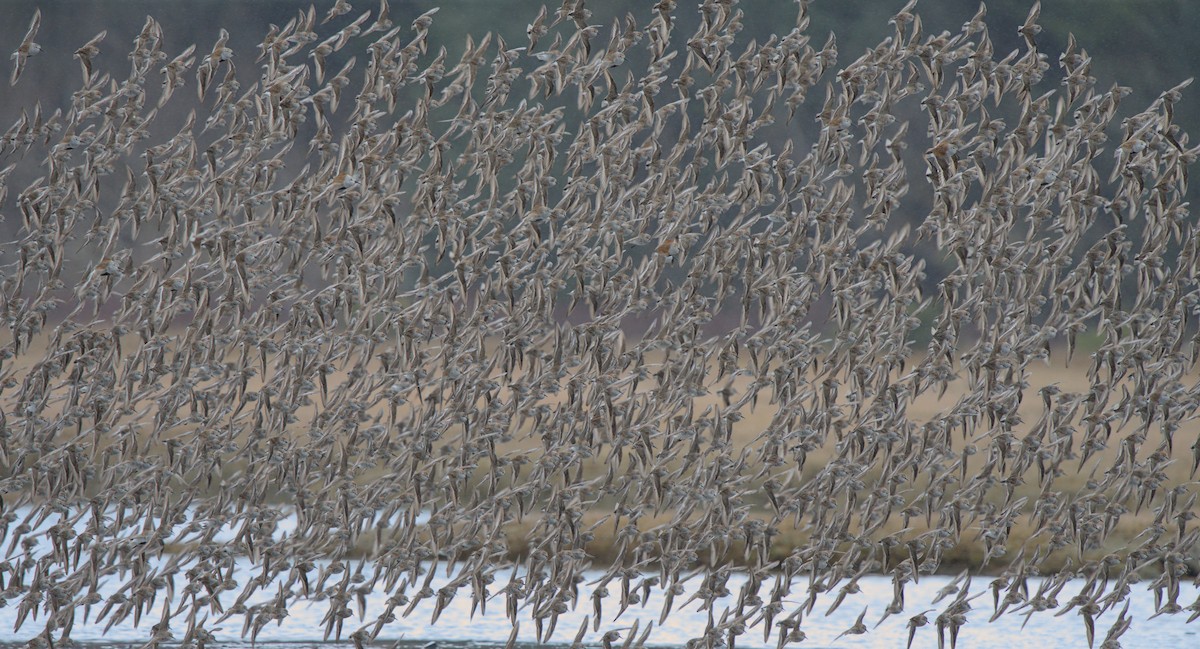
[(457, 629)]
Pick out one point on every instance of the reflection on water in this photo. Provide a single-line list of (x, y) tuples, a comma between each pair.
[(398, 644), (303, 627), (458, 626)]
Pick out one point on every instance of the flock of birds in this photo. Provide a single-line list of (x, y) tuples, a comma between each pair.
[(417, 302)]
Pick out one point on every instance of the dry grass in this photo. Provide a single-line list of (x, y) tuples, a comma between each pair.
[(790, 536)]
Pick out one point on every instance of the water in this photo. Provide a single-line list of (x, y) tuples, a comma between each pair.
[(457, 628), (303, 626)]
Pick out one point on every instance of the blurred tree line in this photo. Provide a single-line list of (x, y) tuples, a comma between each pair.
[(1147, 45)]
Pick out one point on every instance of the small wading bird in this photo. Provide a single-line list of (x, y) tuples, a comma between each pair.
[(27, 48)]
